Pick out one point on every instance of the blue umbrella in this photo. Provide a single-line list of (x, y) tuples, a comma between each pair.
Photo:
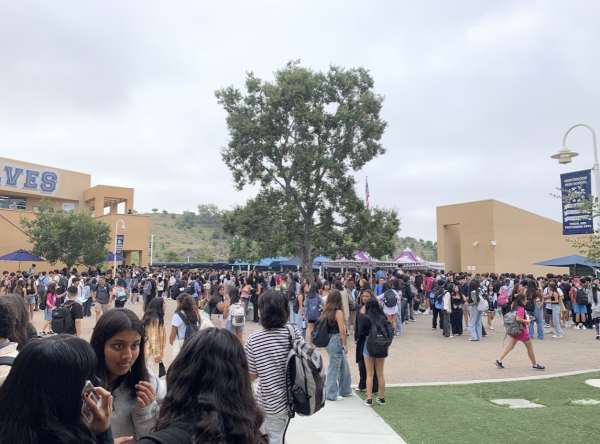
[(21, 256), (111, 257)]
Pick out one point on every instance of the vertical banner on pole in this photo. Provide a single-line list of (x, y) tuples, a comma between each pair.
[(576, 188), (120, 239), (150, 249)]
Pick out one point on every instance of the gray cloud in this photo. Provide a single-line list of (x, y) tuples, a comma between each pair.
[(478, 94)]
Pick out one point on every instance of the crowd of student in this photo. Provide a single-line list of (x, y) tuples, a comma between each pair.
[(209, 396)]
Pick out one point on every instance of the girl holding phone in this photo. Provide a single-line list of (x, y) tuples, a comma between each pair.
[(118, 341), (34, 411)]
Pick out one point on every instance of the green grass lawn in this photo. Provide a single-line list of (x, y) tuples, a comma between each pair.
[(463, 414)]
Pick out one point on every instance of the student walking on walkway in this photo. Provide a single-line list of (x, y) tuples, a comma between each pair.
[(518, 306)]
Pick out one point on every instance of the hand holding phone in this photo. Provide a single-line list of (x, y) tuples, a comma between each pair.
[(89, 392), (101, 411)]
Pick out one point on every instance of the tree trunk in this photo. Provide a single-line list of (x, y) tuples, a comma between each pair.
[(307, 257)]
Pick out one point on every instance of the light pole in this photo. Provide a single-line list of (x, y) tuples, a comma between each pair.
[(115, 251), (565, 155)]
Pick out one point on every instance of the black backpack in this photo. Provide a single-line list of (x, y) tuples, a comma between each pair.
[(389, 298), (529, 305), (62, 319), (63, 282), (290, 291), (190, 289), (190, 329), (582, 297), (380, 338), (175, 290), (320, 334)]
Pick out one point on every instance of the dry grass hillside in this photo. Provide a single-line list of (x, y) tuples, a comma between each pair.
[(177, 236), (172, 242)]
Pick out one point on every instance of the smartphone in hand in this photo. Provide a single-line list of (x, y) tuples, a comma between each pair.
[(86, 413)]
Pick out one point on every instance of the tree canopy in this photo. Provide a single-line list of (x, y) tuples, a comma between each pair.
[(301, 137), (73, 238)]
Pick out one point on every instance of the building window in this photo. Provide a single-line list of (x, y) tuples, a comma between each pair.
[(7, 201)]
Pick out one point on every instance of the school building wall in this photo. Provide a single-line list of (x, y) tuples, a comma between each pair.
[(28, 183), (465, 233)]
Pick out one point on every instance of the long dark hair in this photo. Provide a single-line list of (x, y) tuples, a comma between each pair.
[(185, 304), (373, 311), (518, 301), (532, 291), (234, 295), (333, 304), (595, 293), (109, 324), (215, 297), (19, 333), (40, 401), (313, 290), (210, 383), (155, 313)]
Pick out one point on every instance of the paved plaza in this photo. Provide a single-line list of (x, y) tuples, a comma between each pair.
[(421, 355)]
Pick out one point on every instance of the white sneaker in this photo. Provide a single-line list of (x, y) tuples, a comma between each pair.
[(451, 336), (557, 336), (578, 327), (583, 327), (426, 312), (491, 328)]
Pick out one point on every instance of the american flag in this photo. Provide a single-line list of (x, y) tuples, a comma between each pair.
[(367, 191)]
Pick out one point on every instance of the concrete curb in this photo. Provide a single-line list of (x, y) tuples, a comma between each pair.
[(485, 381)]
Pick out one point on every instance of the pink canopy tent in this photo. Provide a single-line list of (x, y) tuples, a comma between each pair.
[(361, 259), (408, 256)]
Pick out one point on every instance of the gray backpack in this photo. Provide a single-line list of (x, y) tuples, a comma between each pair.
[(305, 378), (513, 327)]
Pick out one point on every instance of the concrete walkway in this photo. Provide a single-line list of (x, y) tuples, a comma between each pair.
[(345, 422)]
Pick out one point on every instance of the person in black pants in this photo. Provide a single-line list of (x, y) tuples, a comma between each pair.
[(457, 310), (362, 370)]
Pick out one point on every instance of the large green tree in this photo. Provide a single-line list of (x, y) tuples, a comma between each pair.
[(73, 238), (301, 137)]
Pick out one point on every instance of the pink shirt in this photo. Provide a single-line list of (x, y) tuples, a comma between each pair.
[(524, 335), (50, 300)]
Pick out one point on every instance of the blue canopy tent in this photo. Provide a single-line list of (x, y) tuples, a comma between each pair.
[(573, 262), (21, 256), (276, 263), (296, 262)]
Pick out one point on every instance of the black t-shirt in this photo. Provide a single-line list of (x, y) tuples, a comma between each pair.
[(76, 313)]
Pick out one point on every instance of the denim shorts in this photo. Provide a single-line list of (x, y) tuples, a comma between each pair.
[(47, 314), (365, 351), (232, 327), (30, 299)]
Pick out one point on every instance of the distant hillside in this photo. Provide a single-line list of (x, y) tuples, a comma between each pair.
[(424, 249), (176, 237)]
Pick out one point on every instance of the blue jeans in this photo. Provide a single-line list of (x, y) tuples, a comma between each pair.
[(295, 318), (537, 318), (475, 322), (338, 380), (556, 319), (399, 319)]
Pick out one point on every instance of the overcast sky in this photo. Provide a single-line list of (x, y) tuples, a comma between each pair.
[(478, 93)]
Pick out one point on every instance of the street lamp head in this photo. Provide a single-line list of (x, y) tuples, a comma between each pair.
[(565, 155), (123, 228)]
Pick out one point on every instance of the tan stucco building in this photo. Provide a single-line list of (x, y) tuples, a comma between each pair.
[(23, 185), (491, 236)]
